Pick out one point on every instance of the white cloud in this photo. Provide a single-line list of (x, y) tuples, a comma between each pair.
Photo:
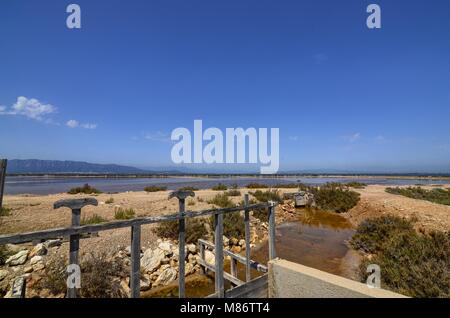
[(72, 123), (29, 107), (158, 136), (354, 137), (75, 124)]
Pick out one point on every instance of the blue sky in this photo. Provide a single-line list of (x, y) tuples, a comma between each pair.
[(344, 97)]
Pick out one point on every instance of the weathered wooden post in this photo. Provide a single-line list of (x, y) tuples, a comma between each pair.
[(75, 205), (218, 248), (135, 274), (181, 196), (247, 239), (272, 252), (3, 163)]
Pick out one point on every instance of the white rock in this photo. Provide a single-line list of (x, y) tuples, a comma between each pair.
[(35, 260), (3, 274), (192, 248), (188, 269), (242, 243), (166, 277), (38, 267), (210, 258), (226, 241), (28, 269), (166, 247), (38, 250), (52, 243), (17, 259), (152, 259), (145, 284)]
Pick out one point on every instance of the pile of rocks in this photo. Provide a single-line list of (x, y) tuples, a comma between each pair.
[(24, 264)]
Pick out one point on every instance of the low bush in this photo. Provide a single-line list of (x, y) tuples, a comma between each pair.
[(154, 189), (233, 193), (437, 195), (286, 186), (221, 200), (188, 188), (412, 264), (109, 201), (233, 224), (356, 185), (85, 189), (266, 196), (255, 185), (220, 187), (94, 219), (4, 254), (4, 211), (195, 229), (123, 214), (191, 202), (335, 197)]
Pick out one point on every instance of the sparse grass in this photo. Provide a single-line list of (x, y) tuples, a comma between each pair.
[(437, 195), (200, 199), (412, 264), (335, 197), (255, 185), (233, 193), (188, 188), (109, 201), (4, 211), (123, 214), (220, 187), (266, 196), (154, 189), (4, 254), (97, 272), (85, 189), (356, 185), (221, 200), (195, 229), (191, 202), (94, 219)]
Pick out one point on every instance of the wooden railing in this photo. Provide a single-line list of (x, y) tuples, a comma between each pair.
[(76, 230)]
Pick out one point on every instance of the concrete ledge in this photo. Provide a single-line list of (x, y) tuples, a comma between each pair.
[(292, 280)]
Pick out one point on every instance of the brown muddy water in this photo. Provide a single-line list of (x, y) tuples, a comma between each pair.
[(316, 239)]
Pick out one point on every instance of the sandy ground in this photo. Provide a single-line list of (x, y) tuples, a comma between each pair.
[(376, 202), (32, 213)]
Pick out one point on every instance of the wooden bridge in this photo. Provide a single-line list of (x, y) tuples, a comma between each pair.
[(247, 288)]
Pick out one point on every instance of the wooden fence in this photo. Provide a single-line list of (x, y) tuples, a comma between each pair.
[(76, 230)]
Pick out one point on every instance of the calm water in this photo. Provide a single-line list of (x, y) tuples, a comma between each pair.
[(51, 184)]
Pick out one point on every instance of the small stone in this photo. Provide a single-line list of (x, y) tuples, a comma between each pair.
[(128, 250), (210, 258), (236, 249), (52, 243), (242, 243), (166, 247), (234, 241), (167, 276), (225, 240), (145, 283), (188, 269), (28, 269), (192, 248), (3, 274), (35, 259), (38, 250), (17, 259), (38, 267), (151, 259)]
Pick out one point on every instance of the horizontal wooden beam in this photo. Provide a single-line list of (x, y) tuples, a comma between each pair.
[(236, 281), (61, 232), (241, 259)]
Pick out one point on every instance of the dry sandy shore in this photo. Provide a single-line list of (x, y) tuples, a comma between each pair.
[(32, 213)]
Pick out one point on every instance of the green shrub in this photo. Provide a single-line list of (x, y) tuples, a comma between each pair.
[(123, 214), (437, 195), (221, 200), (195, 230), (188, 188), (154, 189), (219, 187), (255, 185), (371, 234), (109, 201), (4, 254), (266, 196), (335, 197), (86, 189), (94, 219), (233, 224), (412, 264), (356, 185), (4, 211), (191, 202), (233, 193)]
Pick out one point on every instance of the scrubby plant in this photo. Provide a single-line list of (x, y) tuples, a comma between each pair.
[(154, 189), (109, 201), (335, 197), (4, 254), (233, 224), (412, 264), (268, 195), (356, 185), (191, 202), (4, 211), (221, 200), (219, 187), (286, 186), (195, 229), (85, 189), (233, 193), (94, 219), (123, 214), (255, 185), (436, 195)]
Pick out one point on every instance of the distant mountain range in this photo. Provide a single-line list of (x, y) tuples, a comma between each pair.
[(31, 166)]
